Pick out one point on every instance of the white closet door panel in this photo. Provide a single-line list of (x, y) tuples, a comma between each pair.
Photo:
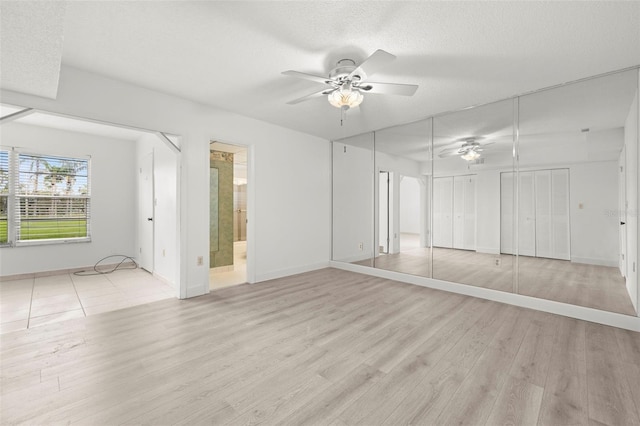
[(458, 211), (469, 232), (561, 227), (506, 213), (526, 215), (443, 212), (544, 239)]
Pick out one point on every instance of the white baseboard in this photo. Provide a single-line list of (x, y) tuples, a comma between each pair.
[(488, 250), (290, 271), (599, 262), (579, 312), (40, 274), (163, 279), (359, 257)]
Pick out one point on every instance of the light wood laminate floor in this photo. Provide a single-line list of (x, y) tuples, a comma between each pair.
[(593, 286), (328, 347)]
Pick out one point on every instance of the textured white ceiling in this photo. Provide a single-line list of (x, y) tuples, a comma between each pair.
[(231, 54), (31, 45)]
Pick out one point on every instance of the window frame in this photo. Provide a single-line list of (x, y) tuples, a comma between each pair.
[(14, 199)]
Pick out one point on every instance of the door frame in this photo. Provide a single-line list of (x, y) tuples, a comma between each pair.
[(147, 160), (251, 197), (381, 203)]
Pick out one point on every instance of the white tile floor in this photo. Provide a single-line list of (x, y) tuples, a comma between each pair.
[(239, 273), (28, 303)]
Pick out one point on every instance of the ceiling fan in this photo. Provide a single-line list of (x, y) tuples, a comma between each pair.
[(347, 82), (468, 149)]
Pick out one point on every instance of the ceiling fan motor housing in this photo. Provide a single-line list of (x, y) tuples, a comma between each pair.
[(343, 68)]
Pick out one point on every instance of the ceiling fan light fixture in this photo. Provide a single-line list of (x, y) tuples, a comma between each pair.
[(470, 155), (345, 96)]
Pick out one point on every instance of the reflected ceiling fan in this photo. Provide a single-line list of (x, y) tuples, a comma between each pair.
[(468, 149), (347, 82)]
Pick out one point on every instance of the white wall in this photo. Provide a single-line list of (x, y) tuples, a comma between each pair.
[(594, 232), (289, 206), (352, 203), (113, 194)]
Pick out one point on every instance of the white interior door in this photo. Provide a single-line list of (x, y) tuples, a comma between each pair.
[(526, 215), (383, 213), (458, 211), (543, 219), (469, 233), (560, 222), (145, 212), (443, 212), (506, 213), (622, 212)]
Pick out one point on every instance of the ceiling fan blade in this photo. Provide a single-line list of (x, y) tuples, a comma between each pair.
[(311, 96), (371, 64), (305, 76), (449, 152), (389, 88)]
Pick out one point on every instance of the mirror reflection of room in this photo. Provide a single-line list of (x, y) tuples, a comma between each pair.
[(577, 180), (402, 160), (533, 195), (471, 149)]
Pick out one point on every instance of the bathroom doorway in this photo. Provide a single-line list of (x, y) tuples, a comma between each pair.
[(228, 215)]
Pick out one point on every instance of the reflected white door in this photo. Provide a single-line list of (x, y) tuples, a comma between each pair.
[(560, 222), (469, 239), (383, 214), (507, 222), (458, 212), (622, 212), (553, 237), (464, 212), (526, 215), (145, 212), (544, 241), (443, 212)]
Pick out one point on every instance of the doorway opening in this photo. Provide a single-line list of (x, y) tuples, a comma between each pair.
[(410, 226), (384, 213), (228, 215)]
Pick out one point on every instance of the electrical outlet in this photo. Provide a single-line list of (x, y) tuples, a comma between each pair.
[(361, 246), (164, 252), (200, 261), (497, 262)]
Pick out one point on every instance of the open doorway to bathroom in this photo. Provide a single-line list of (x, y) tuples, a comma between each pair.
[(228, 215)]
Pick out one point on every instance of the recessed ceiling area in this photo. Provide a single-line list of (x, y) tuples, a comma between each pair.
[(231, 54), (54, 121)]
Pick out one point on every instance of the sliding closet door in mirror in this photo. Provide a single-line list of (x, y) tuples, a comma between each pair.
[(472, 158), (353, 199), (577, 187), (403, 174)]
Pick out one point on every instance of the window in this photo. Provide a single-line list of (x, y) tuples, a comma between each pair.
[(47, 198), (4, 197)]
